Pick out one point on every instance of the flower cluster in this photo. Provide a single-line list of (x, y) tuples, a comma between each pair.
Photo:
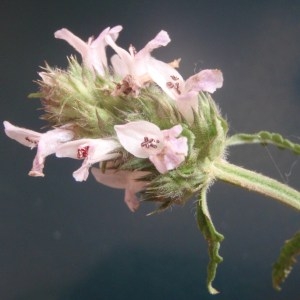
[(129, 77)]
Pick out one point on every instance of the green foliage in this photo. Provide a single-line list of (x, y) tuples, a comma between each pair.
[(269, 187), (287, 258), (212, 237), (264, 138), (283, 266)]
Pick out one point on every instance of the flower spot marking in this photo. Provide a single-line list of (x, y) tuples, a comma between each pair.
[(83, 152), (28, 139)]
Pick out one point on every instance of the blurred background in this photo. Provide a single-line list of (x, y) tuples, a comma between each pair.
[(63, 240)]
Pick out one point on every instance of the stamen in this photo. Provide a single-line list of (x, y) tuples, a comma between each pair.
[(170, 85), (149, 143), (174, 86), (83, 152)]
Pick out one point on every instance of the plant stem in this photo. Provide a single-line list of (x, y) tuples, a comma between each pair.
[(256, 182)]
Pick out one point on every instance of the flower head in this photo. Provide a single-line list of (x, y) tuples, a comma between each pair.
[(91, 151), (145, 140), (121, 179), (46, 143), (93, 52)]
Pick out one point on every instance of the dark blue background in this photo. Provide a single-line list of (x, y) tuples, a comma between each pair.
[(62, 240)]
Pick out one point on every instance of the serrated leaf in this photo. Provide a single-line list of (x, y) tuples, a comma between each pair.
[(264, 138), (287, 258), (212, 237)]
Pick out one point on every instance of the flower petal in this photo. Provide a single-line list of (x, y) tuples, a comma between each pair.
[(119, 66), (47, 145), (111, 177), (125, 57), (72, 39), (180, 146), (172, 132), (170, 81), (26, 137), (93, 52), (122, 179), (174, 152), (71, 148), (98, 55), (112, 32), (206, 80), (167, 161), (52, 139), (140, 138), (101, 150), (186, 103), (161, 39), (37, 167), (91, 151), (131, 200), (134, 64), (82, 173)]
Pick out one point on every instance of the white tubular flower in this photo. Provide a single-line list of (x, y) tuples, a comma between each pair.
[(133, 63), (121, 179), (185, 93), (93, 52), (91, 151), (145, 140), (46, 143)]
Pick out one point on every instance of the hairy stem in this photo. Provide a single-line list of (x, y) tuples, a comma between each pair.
[(256, 182)]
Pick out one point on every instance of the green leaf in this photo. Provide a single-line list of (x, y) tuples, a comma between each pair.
[(264, 138), (287, 258), (212, 237)]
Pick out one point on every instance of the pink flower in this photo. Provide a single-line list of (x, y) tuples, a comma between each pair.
[(91, 151), (174, 151), (93, 52), (185, 93), (145, 140), (46, 143), (121, 179), (133, 63)]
